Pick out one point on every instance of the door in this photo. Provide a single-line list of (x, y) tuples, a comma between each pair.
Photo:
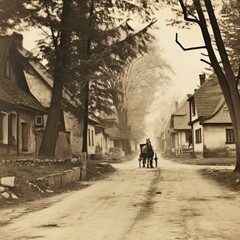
[(24, 137)]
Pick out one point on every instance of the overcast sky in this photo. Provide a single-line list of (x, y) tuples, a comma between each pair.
[(186, 65)]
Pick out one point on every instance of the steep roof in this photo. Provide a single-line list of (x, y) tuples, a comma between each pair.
[(10, 92), (44, 75), (181, 117), (208, 97), (221, 115)]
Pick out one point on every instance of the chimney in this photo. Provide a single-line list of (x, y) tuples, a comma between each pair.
[(202, 78), (18, 39), (176, 105)]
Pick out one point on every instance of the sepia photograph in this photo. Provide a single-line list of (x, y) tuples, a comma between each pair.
[(119, 119)]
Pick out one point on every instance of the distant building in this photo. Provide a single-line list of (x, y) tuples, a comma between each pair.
[(116, 137), (180, 131), (164, 143), (102, 140)]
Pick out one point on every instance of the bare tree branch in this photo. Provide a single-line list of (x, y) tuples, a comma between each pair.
[(203, 60), (187, 49), (205, 55)]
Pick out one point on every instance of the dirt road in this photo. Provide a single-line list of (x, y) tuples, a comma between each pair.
[(172, 202)]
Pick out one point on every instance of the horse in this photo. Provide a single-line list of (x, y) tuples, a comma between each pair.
[(146, 154)]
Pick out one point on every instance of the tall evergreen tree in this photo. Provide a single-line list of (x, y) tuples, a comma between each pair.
[(105, 43), (86, 41), (230, 26)]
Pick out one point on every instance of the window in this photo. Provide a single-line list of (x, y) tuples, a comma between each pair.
[(92, 138), (39, 121), (3, 128), (89, 138), (193, 107), (230, 136), (12, 129), (198, 134)]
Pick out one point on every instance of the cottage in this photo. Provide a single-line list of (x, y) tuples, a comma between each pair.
[(180, 131), (18, 107), (163, 139), (210, 120), (102, 139), (116, 137), (40, 84)]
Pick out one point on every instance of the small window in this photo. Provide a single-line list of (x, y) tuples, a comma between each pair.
[(198, 134), (230, 136), (193, 108), (39, 122)]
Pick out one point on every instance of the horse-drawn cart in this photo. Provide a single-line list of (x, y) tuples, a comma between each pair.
[(146, 156)]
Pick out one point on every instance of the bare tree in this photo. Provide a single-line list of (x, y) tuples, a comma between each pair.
[(136, 92), (223, 69)]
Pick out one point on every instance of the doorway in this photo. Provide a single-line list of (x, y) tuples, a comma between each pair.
[(24, 137)]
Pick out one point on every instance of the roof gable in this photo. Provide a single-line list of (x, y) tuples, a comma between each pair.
[(181, 117), (15, 93), (208, 97)]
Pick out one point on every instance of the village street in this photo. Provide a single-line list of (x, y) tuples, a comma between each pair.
[(171, 202)]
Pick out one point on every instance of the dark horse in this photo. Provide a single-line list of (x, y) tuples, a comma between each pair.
[(146, 154)]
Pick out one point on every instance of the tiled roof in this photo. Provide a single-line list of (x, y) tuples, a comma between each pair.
[(183, 109), (10, 93), (181, 117), (182, 123), (207, 97), (221, 116)]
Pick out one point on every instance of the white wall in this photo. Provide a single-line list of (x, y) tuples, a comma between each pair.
[(102, 141), (198, 147), (215, 139), (76, 128)]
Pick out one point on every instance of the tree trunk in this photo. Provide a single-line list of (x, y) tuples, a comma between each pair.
[(86, 91), (85, 119), (226, 78), (50, 135), (123, 127)]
